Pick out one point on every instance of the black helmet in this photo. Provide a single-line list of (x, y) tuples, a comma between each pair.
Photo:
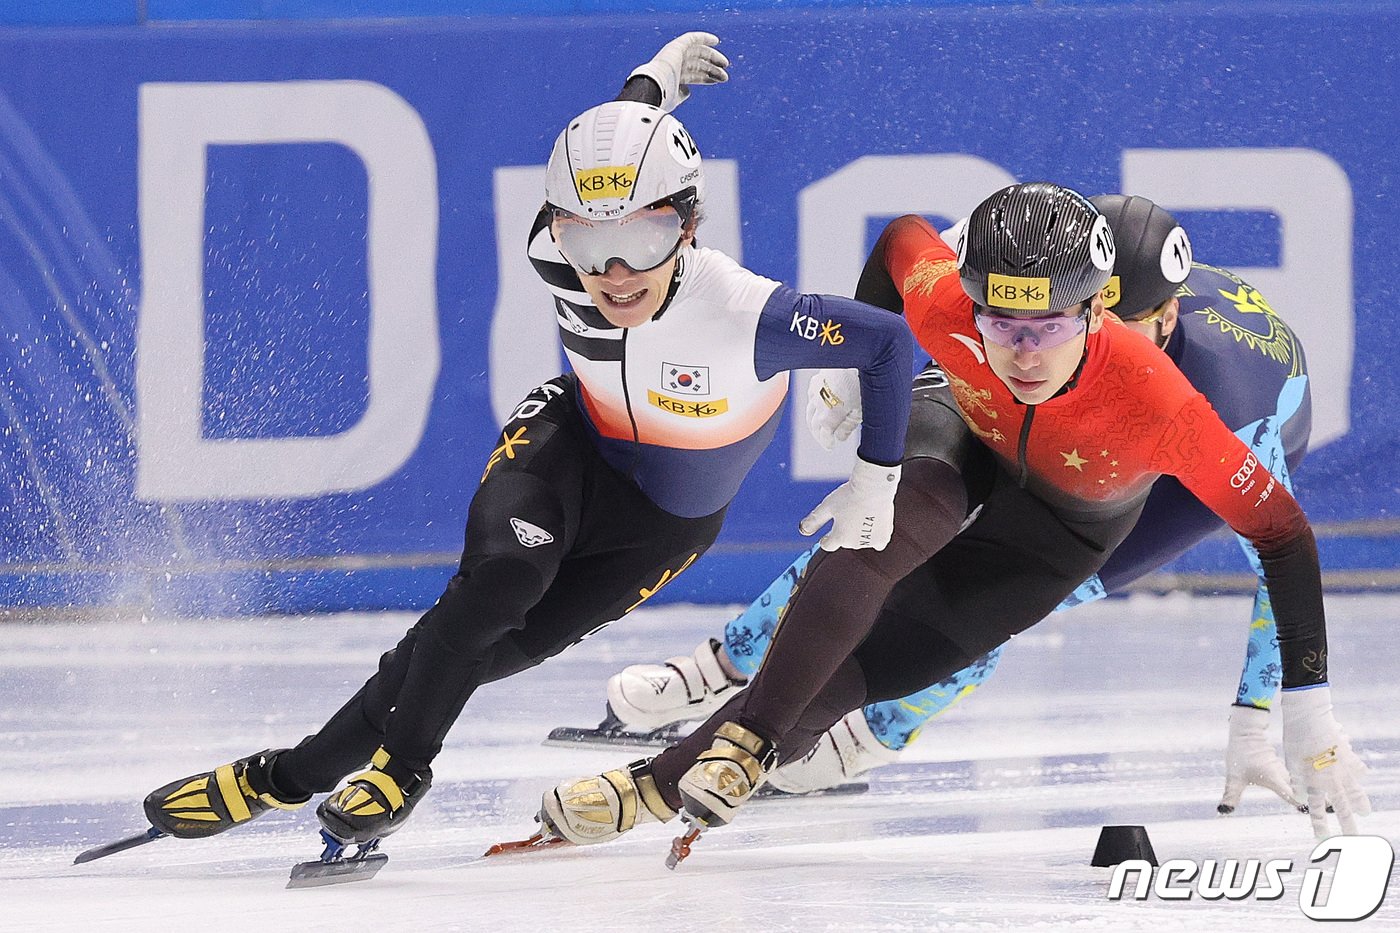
[(1034, 248), (1154, 254)]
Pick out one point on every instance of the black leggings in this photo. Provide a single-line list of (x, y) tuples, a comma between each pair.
[(558, 544)]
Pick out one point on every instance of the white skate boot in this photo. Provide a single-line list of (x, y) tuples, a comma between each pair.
[(649, 696), (602, 807), (843, 753)]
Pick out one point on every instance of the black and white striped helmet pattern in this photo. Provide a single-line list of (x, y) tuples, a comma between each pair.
[(1033, 249)]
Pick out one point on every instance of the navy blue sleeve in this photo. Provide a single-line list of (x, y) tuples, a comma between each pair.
[(797, 331)]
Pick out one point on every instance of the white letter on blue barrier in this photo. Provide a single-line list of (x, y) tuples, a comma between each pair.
[(1311, 287), (177, 123)]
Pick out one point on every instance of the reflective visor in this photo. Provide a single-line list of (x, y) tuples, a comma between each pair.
[(1042, 333), (640, 241)]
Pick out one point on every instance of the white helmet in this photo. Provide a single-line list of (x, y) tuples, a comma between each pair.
[(620, 157)]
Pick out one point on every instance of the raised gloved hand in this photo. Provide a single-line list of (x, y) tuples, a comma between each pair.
[(833, 405), (687, 59), (1321, 764), (1250, 759), (861, 510)]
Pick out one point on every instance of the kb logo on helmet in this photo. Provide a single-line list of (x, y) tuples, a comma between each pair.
[(1020, 292), (1113, 291), (606, 182)]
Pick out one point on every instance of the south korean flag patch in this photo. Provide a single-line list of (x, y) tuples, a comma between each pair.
[(687, 380)]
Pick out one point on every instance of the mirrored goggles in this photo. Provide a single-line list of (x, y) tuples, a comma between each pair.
[(640, 241), (1041, 333)]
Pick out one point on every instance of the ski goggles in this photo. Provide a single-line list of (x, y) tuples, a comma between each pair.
[(640, 241), (1043, 333)]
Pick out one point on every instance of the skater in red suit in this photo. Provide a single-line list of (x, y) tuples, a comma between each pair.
[(1034, 440)]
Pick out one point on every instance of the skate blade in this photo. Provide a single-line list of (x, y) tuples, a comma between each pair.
[(120, 845), (680, 846), (342, 871), (537, 841), (573, 736), (769, 792)]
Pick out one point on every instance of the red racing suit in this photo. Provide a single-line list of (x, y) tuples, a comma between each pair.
[(1055, 486), (1127, 417)]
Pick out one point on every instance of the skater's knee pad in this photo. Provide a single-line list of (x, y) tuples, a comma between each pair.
[(521, 514), (933, 500), (486, 599)]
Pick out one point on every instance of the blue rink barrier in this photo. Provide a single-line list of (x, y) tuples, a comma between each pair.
[(158, 12), (267, 301)]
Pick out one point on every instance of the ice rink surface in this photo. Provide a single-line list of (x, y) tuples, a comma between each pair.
[(1115, 713)]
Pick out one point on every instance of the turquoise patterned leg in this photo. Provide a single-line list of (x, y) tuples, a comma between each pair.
[(746, 638), (896, 723), (1263, 668)]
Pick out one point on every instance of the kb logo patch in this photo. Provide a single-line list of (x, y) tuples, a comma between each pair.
[(1024, 293), (605, 182), (826, 333)]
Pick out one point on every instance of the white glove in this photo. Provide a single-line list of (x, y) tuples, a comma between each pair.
[(1250, 759), (685, 60), (1320, 761), (833, 405), (861, 510)]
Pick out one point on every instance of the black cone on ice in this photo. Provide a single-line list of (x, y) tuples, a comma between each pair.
[(1122, 843)]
